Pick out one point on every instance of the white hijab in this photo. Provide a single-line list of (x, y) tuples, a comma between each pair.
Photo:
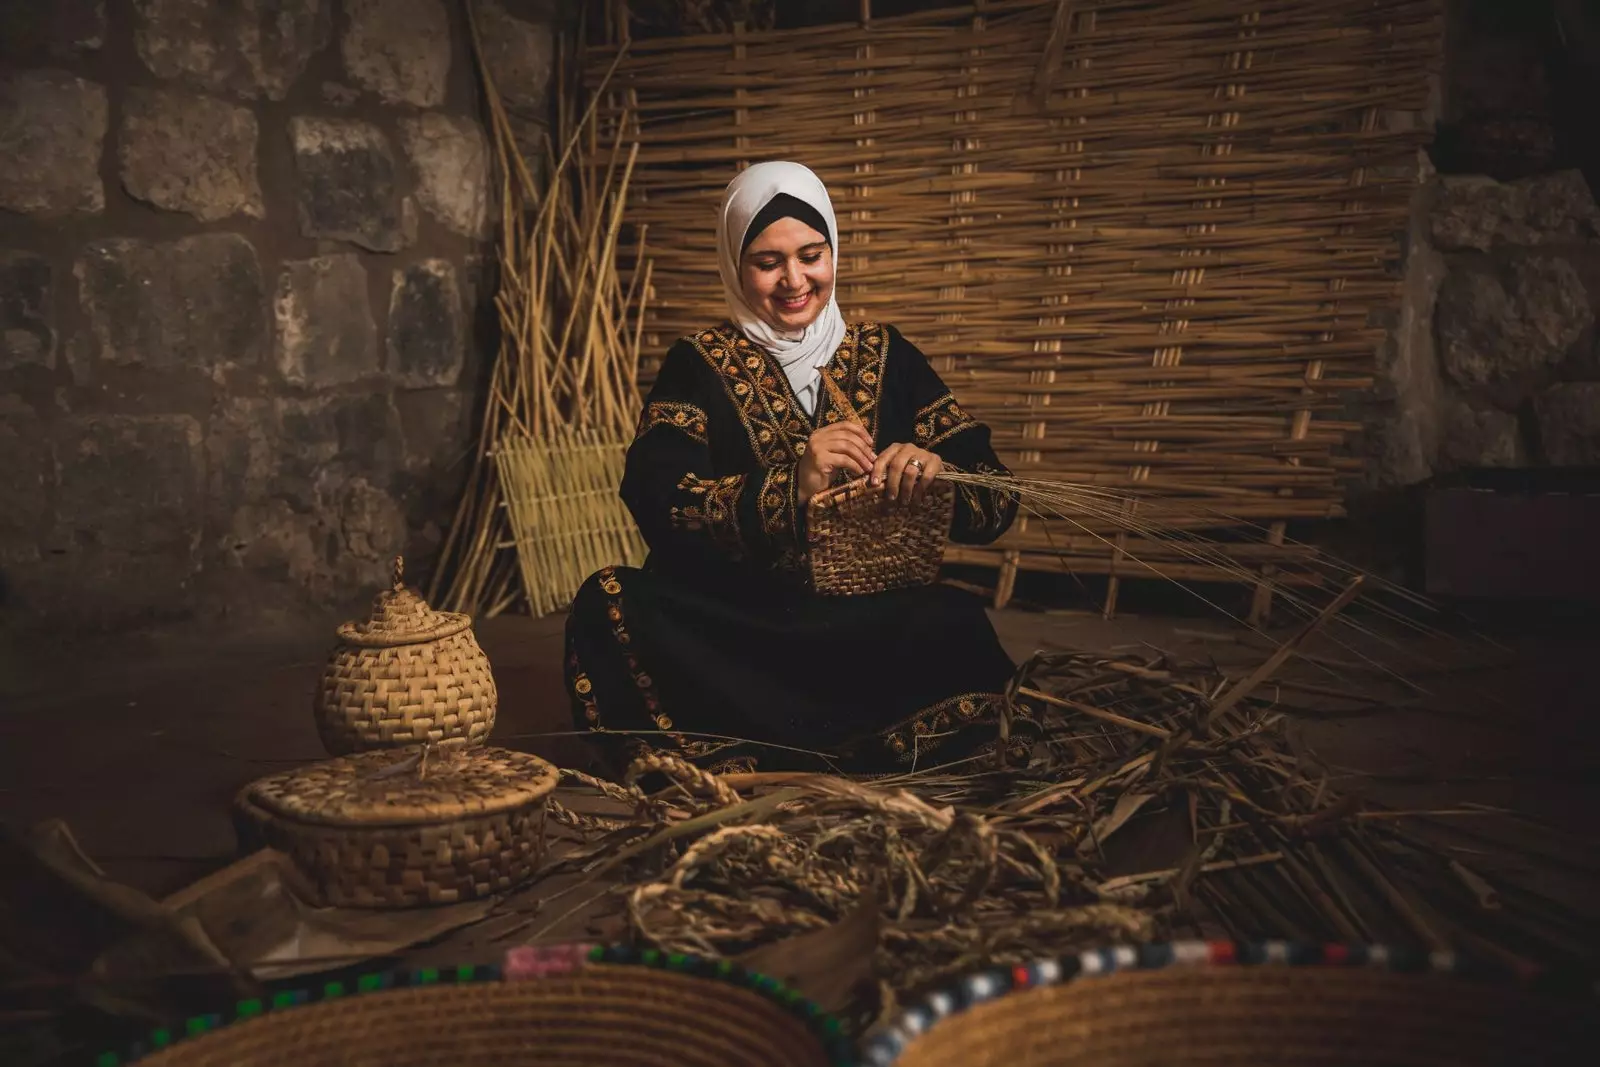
[(802, 355)]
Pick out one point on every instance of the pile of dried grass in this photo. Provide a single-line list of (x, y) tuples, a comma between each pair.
[(1141, 799)]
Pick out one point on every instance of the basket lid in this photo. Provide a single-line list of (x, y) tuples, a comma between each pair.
[(406, 787), (401, 617)]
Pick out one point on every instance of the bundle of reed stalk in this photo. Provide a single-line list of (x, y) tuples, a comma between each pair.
[(1143, 242), (1153, 796), (564, 396)]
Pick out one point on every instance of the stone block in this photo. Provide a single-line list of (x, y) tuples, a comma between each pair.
[(282, 447), (399, 49), (1508, 323), (325, 331), (60, 29), (52, 129), (1475, 437), (132, 485), (348, 186), (196, 302), (451, 158), (250, 48), (1474, 212), (434, 427), (26, 334), (427, 331), (520, 55), (1569, 423), (190, 153)]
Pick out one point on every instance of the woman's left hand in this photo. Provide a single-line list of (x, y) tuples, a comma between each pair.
[(905, 471)]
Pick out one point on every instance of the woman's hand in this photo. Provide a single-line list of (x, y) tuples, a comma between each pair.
[(840, 446), (906, 471)]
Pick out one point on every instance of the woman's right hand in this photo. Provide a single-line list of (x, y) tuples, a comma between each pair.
[(840, 446)]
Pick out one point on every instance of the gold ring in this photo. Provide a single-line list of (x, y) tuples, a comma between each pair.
[(917, 463)]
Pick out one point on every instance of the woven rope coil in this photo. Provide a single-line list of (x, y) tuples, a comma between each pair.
[(388, 830), (861, 543), (1357, 1012), (619, 1016), (406, 675)]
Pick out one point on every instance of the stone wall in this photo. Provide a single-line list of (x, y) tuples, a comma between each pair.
[(1494, 357), (244, 308)]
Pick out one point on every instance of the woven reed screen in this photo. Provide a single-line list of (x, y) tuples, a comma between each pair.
[(1143, 241)]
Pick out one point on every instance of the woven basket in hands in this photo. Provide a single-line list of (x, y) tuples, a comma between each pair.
[(1316, 1006), (861, 542), (597, 1016), (408, 675), (395, 829)]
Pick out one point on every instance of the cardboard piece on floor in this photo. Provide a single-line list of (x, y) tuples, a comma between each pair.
[(255, 911)]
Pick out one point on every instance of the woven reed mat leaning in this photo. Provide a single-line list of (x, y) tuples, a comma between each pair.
[(1342, 1007), (398, 829), (860, 542), (599, 1016), (1134, 796), (407, 675), (564, 397)]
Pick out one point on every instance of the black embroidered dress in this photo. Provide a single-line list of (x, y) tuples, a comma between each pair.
[(718, 634)]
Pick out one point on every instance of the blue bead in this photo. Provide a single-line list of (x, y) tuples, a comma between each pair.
[(1301, 954), (1253, 953), (1150, 956)]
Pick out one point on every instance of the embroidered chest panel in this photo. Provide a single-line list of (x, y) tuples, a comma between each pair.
[(774, 422)]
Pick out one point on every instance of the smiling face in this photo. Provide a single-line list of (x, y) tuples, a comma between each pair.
[(787, 275)]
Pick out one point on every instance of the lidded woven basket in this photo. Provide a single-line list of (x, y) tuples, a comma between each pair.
[(394, 829), (407, 675), (858, 542)]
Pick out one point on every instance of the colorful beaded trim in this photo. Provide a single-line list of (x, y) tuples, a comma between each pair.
[(884, 1048), (520, 964)]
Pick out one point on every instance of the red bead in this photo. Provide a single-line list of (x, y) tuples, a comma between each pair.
[(1021, 978), (1222, 952), (1335, 953)]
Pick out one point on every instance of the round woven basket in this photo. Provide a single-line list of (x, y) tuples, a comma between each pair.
[(672, 1012), (1191, 1003), (397, 829), (405, 676)]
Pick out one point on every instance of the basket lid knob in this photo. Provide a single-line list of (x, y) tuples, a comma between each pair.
[(401, 617)]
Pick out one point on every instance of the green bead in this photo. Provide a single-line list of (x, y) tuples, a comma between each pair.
[(161, 1039), (650, 956), (108, 1059), (724, 967), (466, 972), (597, 954), (677, 959), (283, 1000), (195, 1025), (332, 990), (247, 1008), (831, 1027), (428, 976), (369, 982)]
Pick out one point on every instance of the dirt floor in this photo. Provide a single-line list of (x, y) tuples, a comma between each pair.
[(139, 743)]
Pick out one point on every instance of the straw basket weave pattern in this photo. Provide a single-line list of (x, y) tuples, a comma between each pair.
[(608, 1006), (392, 830), (859, 542), (408, 675), (1272, 1003)]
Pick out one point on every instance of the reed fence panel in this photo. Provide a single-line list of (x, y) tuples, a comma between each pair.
[(1145, 242)]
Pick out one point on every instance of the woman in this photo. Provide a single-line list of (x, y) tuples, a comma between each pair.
[(717, 636)]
